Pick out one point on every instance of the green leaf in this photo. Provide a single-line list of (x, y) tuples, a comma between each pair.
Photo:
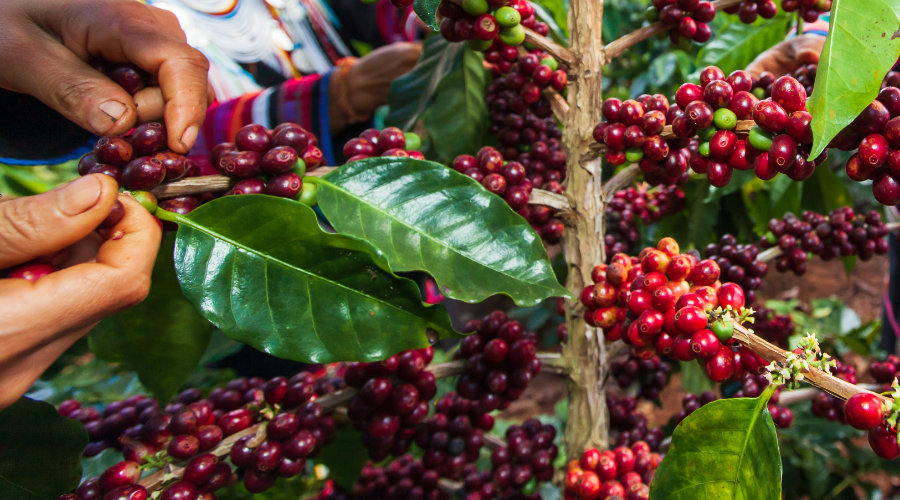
[(694, 378), (427, 217), (862, 45), (410, 94), (40, 451), (726, 449), (555, 13), (162, 331), (344, 457), (427, 12), (737, 44), (823, 181), (458, 119), (262, 270)]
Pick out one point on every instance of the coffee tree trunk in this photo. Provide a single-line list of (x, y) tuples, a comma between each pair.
[(585, 352)]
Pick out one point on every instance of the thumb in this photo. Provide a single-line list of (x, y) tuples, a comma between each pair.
[(39, 225), (67, 84)]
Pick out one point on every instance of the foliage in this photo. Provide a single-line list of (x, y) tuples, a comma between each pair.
[(726, 449), (311, 296), (410, 94), (736, 43), (163, 330), (426, 217), (860, 49), (53, 443), (837, 326)]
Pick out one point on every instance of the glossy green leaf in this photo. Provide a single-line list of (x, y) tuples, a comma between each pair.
[(735, 46), (427, 217), (262, 270), (40, 451), (727, 449), (458, 119), (427, 12), (165, 330), (410, 94), (862, 45)]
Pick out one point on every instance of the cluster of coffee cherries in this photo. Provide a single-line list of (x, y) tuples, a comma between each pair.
[(189, 430), (738, 264), (453, 436), (809, 10), (624, 472), (774, 327), (633, 129), (400, 479), (486, 23), (749, 10), (139, 160), (630, 423), (518, 467), (876, 134), (640, 203), (509, 180), (662, 302), (388, 142), (841, 233), (392, 399), (650, 374), (827, 406), (501, 359), (752, 386), (268, 161), (686, 19), (884, 372), (521, 116)]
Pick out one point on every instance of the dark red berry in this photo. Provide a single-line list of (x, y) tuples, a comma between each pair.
[(143, 174)]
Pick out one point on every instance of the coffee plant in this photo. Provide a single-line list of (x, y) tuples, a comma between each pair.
[(664, 213)]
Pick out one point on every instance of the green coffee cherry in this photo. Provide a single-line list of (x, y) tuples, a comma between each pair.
[(703, 149), (707, 133), (550, 61), (507, 17), (413, 141), (634, 155), (514, 35), (475, 7), (307, 194), (760, 139), (299, 168), (723, 330), (725, 119)]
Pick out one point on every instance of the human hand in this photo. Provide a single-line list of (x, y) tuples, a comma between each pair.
[(41, 319), (788, 56), (45, 51), (368, 80)]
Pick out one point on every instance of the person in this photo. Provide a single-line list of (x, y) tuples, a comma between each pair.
[(44, 54)]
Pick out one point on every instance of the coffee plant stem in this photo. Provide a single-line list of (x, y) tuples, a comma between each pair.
[(562, 54)]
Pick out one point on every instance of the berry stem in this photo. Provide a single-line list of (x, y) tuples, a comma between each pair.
[(813, 376), (625, 42)]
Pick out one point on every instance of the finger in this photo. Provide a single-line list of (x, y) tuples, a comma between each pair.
[(86, 293), (150, 104), (152, 39), (62, 81), (49, 222)]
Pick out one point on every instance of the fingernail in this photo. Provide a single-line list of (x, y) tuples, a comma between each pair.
[(79, 196), (189, 136), (106, 115)]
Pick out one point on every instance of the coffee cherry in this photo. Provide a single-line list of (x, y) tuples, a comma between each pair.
[(179, 490), (113, 151), (864, 411), (253, 137), (789, 94), (148, 139), (120, 474), (286, 185), (883, 441)]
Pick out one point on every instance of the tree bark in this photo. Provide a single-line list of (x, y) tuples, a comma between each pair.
[(585, 352)]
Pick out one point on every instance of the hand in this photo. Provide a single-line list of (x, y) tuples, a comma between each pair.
[(369, 79), (46, 45), (788, 56), (42, 319)]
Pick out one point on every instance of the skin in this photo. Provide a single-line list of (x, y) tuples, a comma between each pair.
[(788, 56), (100, 277), (45, 47), (369, 79)]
